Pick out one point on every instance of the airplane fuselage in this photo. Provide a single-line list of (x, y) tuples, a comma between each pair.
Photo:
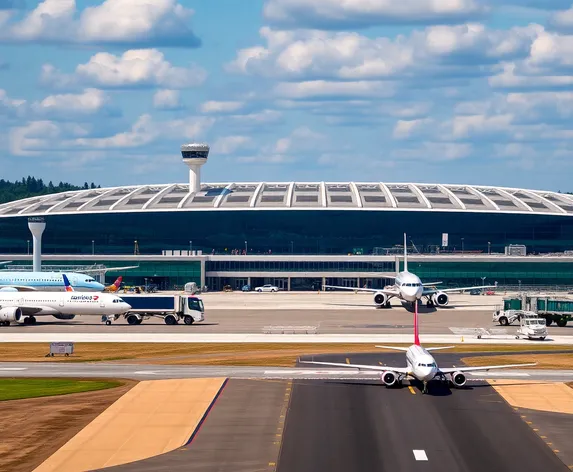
[(409, 286), (49, 281), (67, 303), (421, 363)]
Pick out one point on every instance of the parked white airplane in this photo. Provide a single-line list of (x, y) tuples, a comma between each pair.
[(420, 365), (22, 308), (408, 288)]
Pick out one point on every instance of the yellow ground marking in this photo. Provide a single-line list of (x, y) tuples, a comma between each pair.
[(412, 391), (138, 425), (347, 360)]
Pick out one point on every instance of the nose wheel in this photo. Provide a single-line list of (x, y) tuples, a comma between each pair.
[(425, 387)]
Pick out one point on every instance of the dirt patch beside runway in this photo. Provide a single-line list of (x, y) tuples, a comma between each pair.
[(542, 396), (33, 429)]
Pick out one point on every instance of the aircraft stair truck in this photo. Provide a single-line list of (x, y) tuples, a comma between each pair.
[(553, 310), (172, 308)]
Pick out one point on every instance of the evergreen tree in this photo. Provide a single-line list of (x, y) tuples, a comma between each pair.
[(30, 187)]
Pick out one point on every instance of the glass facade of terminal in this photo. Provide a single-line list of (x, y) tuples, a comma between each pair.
[(288, 231)]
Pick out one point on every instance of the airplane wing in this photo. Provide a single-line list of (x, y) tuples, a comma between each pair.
[(458, 289), (108, 269), (6, 262), (37, 310), (451, 370), (19, 288), (376, 368), (430, 284), (391, 293)]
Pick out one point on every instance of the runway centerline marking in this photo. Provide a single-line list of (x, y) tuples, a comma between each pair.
[(420, 455), (13, 368), (412, 391)]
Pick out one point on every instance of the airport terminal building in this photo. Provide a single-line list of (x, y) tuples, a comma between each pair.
[(299, 235)]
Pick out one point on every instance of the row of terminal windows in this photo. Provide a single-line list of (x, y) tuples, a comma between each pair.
[(293, 266)]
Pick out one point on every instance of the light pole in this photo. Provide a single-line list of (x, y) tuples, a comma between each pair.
[(93, 247), (519, 281), (489, 247), (190, 247), (462, 245), (292, 247), (28, 247), (483, 283), (246, 248)]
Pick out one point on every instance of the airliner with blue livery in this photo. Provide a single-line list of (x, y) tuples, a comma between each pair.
[(47, 282)]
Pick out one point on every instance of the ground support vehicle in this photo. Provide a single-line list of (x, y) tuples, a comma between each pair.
[(532, 328), (171, 308), (553, 310)]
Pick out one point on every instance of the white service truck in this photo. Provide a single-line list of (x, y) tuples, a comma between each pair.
[(507, 317), (532, 328), (172, 308)]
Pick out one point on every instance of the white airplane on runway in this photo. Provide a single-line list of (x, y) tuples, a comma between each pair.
[(408, 288), (420, 365), (23, 307)]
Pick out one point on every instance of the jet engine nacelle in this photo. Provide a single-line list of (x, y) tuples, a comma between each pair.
[(459, 379), (380, 298), (440, 299), (11, 313), (389, 378), (8, 289), (64, 317)]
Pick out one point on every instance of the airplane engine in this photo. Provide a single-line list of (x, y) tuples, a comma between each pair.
[(440, 299), (8, 289), (459, 379), (380, 298), (64, 317), (11, 313), (389, 378)]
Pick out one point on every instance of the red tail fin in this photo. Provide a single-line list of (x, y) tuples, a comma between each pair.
[(416, 332), (117, 282)]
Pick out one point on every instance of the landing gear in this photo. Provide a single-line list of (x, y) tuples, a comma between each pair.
[(107, 322), (429, 303), (425, 387), (30, 320)]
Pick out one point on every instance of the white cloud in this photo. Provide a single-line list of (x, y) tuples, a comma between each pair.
[(441, 51), (322, 89), (116, 22), (342, 14), (51, 136), (563, 20), (256, 119), (89, 102), (433, 152), (404, 128), (9, 106), (230, 144), (134, 68), (167, 100), (223, 107)]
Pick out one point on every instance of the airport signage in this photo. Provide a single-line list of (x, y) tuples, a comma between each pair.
[(445, 237)]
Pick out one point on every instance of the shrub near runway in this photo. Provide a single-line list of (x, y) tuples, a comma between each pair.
[(17, 389)]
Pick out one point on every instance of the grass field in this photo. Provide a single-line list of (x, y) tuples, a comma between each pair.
[(237, 354), (544, 361), (17, 389)]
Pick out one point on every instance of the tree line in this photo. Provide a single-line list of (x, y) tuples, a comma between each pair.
[(31, 187)]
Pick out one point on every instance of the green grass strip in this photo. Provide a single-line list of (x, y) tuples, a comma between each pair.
[(16, 389)]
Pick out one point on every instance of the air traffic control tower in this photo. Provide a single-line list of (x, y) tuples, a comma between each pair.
[(195, 156)]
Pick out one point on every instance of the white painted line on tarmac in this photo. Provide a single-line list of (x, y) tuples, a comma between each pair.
[(312, 372), (420, 455), (13, 368), (501, 374)]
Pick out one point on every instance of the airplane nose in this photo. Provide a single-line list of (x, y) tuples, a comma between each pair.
[(99, 287)]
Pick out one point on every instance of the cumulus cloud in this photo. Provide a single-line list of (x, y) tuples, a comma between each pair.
[(221, 107), (230, 144), (342, 14), (135, 68), (328, 90), (433, 151), (114, 22), (89, 102), (49, 135), (441, 51), (563, 20), (167, 100)]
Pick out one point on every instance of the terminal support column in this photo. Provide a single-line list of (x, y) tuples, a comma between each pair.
[(202, 273), (288, 284)]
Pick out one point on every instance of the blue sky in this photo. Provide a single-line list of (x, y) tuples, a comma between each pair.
[(449, 91)]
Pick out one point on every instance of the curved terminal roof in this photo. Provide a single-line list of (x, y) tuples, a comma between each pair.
[(297, 196)]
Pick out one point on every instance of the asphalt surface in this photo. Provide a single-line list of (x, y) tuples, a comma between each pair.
[(156, 372), (331, 321), (341, 426), (238, 435)]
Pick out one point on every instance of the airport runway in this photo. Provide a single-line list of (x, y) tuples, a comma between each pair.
[(155, 372), (356, 424)]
